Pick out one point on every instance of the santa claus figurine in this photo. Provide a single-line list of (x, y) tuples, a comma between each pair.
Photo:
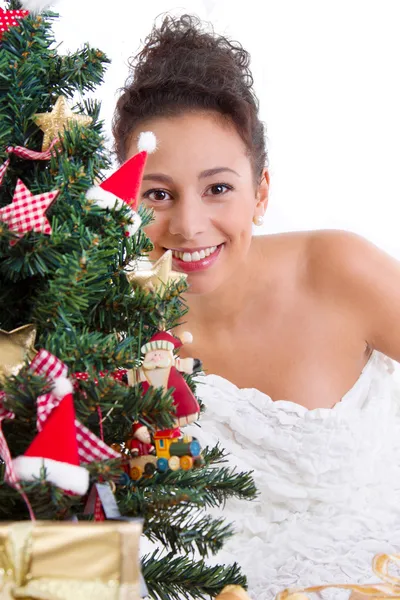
[(161, 368), (139, 444)]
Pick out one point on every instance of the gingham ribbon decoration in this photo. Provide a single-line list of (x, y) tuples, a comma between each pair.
[(98, 510), (3, 169), (90, 447), (51, 367), (27, 212), (33, 154), (4, 450), (26, 153)]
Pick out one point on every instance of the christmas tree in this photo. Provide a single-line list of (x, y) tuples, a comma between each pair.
[(71, 302)]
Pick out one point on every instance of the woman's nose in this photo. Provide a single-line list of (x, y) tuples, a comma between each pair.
[(188, 219)]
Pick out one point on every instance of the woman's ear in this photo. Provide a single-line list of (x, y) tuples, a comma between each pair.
[(262, 195)]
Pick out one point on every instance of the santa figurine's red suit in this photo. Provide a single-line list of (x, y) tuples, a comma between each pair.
[(160, 368), (139, 443)]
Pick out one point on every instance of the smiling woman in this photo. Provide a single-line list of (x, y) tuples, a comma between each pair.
[(203, 208), (306, 320), (208, 180)]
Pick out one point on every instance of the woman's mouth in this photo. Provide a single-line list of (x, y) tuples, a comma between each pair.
[(195, 260)]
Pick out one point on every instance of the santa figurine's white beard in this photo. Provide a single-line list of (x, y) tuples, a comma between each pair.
[(162, 364)]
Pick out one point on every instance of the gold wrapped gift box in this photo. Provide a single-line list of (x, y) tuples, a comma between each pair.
[(387, 590), (50, 560)]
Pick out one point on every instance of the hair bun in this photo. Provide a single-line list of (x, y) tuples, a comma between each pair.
[(185, 47), (184, 65)]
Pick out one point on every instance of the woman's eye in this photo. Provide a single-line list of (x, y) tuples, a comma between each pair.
[(217, 189), (156, 195)]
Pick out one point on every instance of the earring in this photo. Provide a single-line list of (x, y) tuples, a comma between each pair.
[(258, 220)]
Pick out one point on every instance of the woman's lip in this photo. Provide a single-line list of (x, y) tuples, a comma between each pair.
[(196, 265), (191, 250)]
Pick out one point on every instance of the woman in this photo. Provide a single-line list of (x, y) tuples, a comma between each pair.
[(294, 330)]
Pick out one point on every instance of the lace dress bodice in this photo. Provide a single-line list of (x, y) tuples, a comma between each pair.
[(328, 480)]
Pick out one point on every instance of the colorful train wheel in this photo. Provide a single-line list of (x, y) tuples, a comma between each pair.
[(149, 468), (136, 473), (174, 463), (124, 479), (162, 465), (186, 463), (194, 448)]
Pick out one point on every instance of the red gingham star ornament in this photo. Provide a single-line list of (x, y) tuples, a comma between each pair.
[(27, 212), (10, 18)]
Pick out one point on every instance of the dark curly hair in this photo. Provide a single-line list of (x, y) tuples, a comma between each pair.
[(184, 67)]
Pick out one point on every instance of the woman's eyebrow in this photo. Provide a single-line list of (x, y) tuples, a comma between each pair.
[(163, 178), (215, 171), (158, 177)]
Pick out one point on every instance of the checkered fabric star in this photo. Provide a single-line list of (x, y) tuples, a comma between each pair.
[(10, 18), (27, 212)]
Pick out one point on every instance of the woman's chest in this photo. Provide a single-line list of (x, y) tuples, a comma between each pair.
[(294, 357)]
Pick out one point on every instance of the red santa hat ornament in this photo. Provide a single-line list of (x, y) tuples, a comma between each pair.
[(166, 341), (122, 187), (55, 449)]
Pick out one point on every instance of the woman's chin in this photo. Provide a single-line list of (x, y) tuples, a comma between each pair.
[(204, 282)]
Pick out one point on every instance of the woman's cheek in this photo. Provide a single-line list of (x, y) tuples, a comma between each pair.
[(154, 230)]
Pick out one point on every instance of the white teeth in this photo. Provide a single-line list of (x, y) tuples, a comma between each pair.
[(194, 256), (209, 251)]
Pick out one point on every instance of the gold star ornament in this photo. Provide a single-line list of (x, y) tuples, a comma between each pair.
[(60, 118), (158, 276), (15, 347)]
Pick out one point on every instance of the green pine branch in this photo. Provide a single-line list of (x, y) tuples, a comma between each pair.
[(199, 487), (173, 577), (48, 502), (188, 531), (83, 70)]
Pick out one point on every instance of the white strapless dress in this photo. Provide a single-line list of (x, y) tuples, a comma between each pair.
[(328, 480)]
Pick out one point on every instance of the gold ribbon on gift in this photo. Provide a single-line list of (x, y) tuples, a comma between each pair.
[(233, 592), (70, 561), (380, 566)]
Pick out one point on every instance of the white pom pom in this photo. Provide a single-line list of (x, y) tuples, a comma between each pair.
[(62, 387), (135, 223), (37, 6), (103, 199), (147, 141), (186, 337)]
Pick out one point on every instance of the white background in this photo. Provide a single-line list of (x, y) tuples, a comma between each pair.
[(327, 74)]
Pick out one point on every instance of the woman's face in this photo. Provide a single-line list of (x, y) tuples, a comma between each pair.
[(200, 185)]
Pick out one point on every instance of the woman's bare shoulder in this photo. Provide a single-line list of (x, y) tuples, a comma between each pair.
[(309, 240), (317, 258), (281, 243), (335, 257), (291, 251)]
